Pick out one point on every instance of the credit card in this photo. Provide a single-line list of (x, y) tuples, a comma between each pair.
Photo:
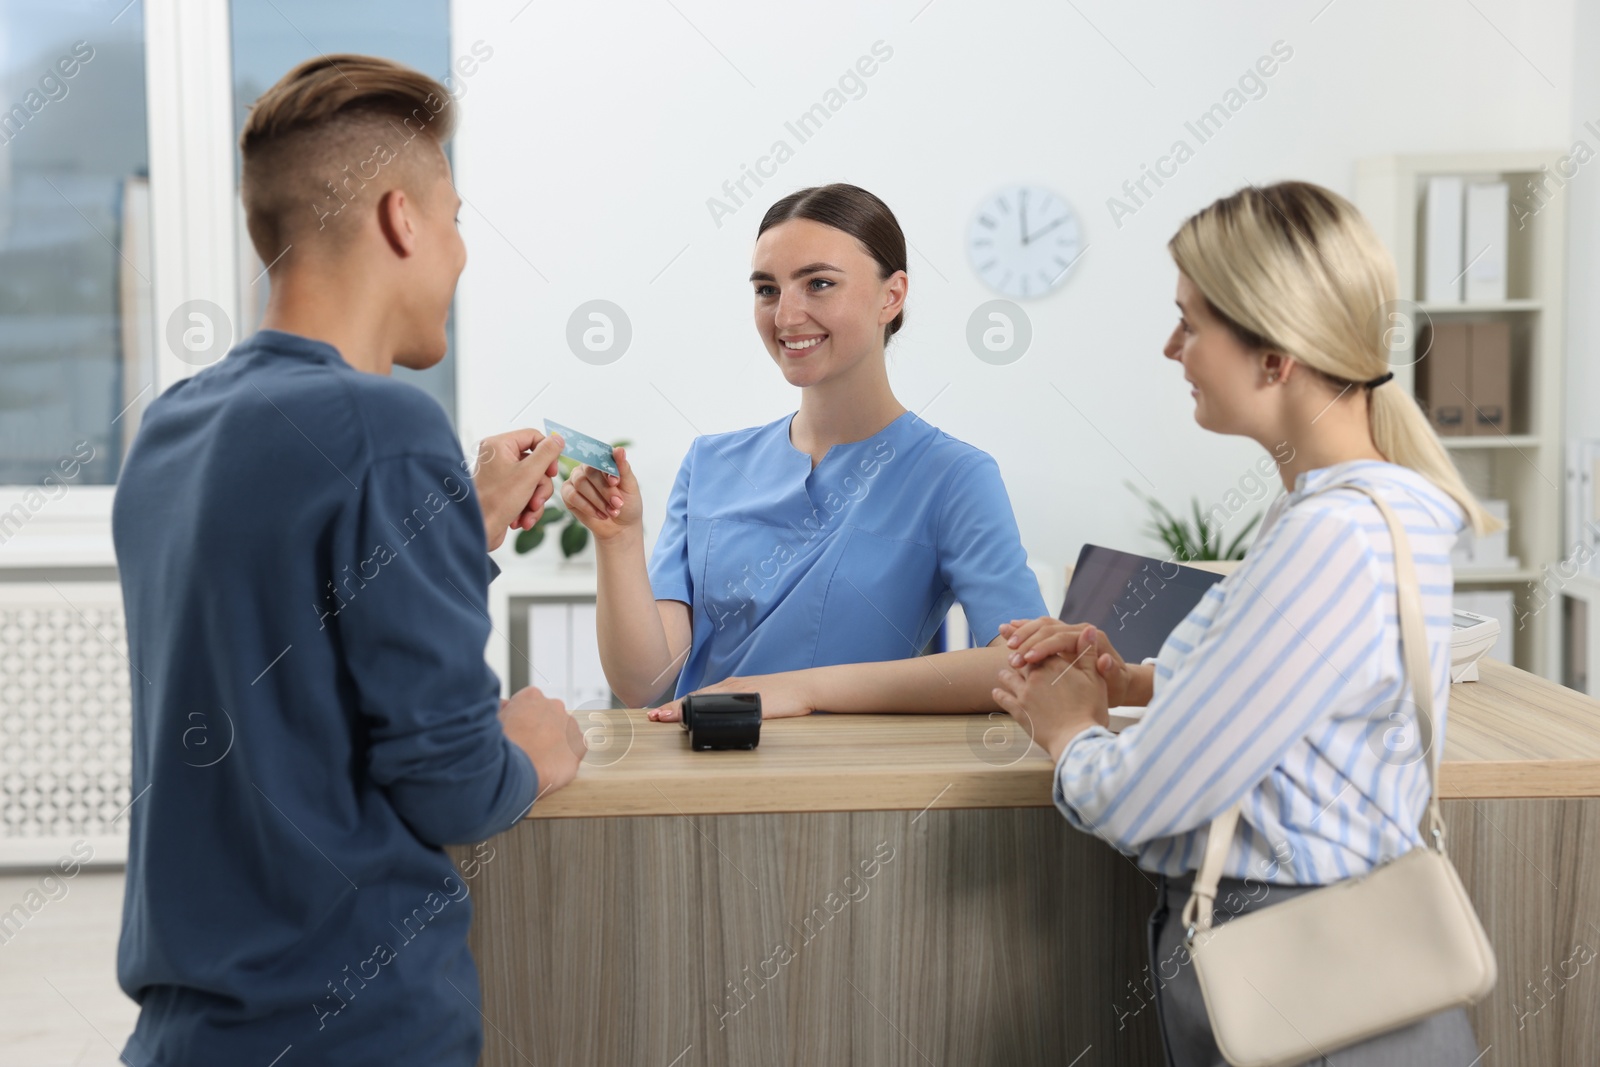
[(583, 448)]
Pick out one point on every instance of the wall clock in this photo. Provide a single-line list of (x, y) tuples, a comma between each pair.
[(1023, 240)]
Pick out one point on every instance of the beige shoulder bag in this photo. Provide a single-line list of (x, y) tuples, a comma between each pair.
[(1346, 962)]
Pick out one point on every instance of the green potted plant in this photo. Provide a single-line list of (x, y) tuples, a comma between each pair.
[(1187, 543), (574, 536)]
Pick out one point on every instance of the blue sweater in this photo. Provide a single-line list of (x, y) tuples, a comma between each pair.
[(303, 569)]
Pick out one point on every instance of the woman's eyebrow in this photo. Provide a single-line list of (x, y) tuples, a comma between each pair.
[(815, 268), (809, 268)]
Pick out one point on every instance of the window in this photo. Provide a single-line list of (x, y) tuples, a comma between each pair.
[(76, 340), (272, 36)]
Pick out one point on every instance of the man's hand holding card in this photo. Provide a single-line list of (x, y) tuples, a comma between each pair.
[(515, 479)]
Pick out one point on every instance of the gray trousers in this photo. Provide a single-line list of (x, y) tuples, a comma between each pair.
[(1443, 1040)]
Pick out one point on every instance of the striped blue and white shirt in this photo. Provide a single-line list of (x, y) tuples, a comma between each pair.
[(1282, 688)]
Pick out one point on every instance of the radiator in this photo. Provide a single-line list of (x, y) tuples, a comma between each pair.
[(64, 723)]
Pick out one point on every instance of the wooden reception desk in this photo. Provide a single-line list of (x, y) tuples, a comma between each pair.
[(880, 890)]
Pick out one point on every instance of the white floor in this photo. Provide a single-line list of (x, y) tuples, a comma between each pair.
[(59, 1000)]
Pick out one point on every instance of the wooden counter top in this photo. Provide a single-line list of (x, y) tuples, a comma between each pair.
[(1512, 734), (1515, 734)]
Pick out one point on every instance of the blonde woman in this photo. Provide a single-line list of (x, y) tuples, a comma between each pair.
[(1281, 687)]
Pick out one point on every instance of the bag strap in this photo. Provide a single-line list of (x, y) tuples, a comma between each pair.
[(1197, 912)]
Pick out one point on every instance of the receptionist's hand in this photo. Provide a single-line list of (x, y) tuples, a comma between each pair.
[(607, 505), (783, 696), (1055, 700), (1035, 640)]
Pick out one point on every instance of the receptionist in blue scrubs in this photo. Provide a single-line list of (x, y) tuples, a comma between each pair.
[(812, 559)]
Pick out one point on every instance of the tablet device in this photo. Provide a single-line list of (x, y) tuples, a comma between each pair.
[(1136, 600)]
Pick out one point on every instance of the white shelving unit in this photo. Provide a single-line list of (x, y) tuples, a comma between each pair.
[(1524, 466)]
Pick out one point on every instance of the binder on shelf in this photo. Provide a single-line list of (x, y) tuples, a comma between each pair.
[(1591, 501), (1442, 382), (1442, 236), (1572, 502), (588, 681), (564, 654), (1489, 551), (1489, 378), (550, 648), (1583, 504), (1589, 534), (1486, 231)]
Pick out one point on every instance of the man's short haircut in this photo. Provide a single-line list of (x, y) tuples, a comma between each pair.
[(328, 129)]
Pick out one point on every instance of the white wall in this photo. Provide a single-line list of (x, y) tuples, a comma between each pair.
[(596, 132)]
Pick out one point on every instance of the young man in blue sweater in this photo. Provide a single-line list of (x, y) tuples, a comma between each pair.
[(302, 550)]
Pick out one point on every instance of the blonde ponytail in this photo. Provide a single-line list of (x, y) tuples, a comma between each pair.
[(1298, 269), (1402, 432)]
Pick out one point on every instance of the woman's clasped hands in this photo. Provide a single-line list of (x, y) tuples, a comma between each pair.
[(1062, 679)]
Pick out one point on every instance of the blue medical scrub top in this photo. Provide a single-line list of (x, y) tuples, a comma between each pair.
[(858, 561)]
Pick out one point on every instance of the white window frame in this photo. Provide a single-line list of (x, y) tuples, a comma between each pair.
[(189, 102)]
